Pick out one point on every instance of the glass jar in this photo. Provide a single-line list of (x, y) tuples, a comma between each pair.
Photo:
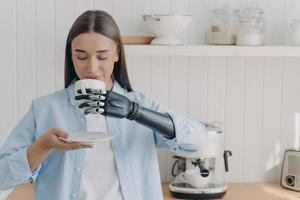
[(253, 11), (250, 32), (251, 28), (294, 32), (222, 29)]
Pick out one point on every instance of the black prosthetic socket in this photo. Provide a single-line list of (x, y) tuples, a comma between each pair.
[(157, 121)]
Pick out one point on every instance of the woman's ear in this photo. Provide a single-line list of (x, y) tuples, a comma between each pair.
[(117, 55), (116, 59)]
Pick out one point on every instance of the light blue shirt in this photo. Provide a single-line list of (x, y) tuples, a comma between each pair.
[(59, 175)]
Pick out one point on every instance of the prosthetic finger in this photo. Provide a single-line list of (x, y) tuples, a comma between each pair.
[(94, 110), (92, 91), (82, 97), (92, 104), (95, 91), (90, 97)]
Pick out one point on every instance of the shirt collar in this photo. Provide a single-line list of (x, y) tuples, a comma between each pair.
[(71, 91)]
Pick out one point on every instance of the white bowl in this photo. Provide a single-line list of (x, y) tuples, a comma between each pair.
[(167, 27)]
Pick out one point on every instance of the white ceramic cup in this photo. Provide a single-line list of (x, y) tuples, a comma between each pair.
[(193, 177), (84, 84), (94, 122)]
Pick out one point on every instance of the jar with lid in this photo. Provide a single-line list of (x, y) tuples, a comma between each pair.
[(294, 31), (223, 27), (251, 28), (253, 11), (250, 32)]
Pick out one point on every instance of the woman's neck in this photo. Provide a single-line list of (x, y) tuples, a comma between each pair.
[(109, 84)]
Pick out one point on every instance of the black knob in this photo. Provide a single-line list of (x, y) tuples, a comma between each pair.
[(290, 180)]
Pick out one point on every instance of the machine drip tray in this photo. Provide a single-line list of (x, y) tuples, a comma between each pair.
[(185, 191), (197, 196)]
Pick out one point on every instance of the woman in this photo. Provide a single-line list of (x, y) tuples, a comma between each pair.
[(127, 168)]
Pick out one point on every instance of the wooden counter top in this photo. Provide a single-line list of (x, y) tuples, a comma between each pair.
[(250, 191), (236, 191)]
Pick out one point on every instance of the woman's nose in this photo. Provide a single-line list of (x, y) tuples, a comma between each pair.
[(93, 65)]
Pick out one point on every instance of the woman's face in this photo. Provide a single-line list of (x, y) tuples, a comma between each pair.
[(93, 56)]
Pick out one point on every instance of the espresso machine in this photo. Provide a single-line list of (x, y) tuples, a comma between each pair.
[(206, 165)]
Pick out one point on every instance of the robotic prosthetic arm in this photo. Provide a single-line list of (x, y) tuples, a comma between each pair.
[(112, 104)]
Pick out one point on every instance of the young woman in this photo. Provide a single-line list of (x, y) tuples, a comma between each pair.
[(123, 168)]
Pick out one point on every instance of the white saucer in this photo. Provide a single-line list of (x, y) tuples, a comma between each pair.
[(87, 137)]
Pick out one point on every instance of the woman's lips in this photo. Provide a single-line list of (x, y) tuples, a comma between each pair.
[(93, 77)]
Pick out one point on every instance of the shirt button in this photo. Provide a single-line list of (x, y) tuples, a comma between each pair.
[(74, 195), (78, 169), (31, 180)]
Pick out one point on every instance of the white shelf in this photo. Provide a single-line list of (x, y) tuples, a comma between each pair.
[(212, 50)]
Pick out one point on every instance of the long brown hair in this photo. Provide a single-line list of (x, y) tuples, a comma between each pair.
[(103, 23)]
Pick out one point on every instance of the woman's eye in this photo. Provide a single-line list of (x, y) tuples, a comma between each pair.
[(102, 58), (81, 58)]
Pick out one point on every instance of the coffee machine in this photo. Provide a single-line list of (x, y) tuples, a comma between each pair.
[(205, 182)]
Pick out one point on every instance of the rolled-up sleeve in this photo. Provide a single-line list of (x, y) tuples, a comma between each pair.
[(189, 134), (14, 166)]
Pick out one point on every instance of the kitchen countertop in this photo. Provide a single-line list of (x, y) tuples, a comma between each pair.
[(250, 191), (236, 191)]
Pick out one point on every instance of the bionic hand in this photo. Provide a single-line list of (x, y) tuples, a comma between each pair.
[(112, 104)]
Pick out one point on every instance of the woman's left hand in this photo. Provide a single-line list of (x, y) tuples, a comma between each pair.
[(105, 102)]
